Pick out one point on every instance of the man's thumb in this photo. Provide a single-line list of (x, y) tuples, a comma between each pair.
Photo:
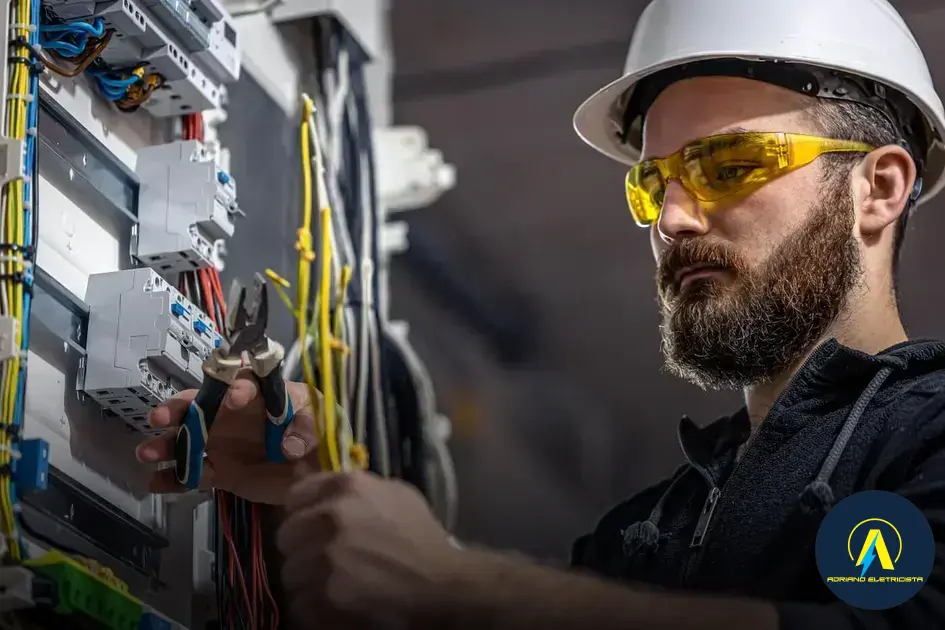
[(300, 437)]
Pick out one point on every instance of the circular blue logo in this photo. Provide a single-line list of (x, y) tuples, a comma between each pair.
[(875, 550)]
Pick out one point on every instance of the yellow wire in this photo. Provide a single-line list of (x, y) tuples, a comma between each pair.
[(326, 365), (280, 284), (14, 233), (304, 246)]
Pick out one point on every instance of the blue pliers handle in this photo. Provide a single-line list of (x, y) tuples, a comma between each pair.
[(279, 411), (192, 435), (219, 370)]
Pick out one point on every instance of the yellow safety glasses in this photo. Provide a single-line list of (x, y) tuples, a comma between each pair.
[(717, 167)]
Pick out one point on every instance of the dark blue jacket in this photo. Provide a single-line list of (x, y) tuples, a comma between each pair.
[(847, 422)]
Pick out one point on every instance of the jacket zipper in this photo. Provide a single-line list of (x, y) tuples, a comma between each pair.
[(696, 546)]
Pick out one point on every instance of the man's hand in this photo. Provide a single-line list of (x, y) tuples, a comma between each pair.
[(362, 551), (236, 457), (365, 552)]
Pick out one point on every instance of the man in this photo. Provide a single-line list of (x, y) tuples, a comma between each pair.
[(783, 148)]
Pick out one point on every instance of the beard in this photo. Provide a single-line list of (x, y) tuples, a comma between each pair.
[(751, 325)]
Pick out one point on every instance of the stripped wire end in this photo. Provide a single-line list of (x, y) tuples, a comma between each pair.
[(280, 284)]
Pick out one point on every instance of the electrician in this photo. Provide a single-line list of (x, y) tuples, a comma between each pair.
[(783, 146)]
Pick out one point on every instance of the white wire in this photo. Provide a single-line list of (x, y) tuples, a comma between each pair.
[(265, 7), (379, 417), (329, 123), (432, 425)]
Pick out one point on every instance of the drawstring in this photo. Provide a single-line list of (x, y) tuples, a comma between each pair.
[(645, 534), (818, 495)]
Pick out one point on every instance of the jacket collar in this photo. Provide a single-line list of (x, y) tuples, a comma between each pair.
[(831, 371)]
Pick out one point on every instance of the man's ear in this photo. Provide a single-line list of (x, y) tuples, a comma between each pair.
[(887, 176)]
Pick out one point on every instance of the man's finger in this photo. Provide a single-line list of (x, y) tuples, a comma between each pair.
[(243, 391), (171, 412), (319, 487), (157, 449), (310, 529)]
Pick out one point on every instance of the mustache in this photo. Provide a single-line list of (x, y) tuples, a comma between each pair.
[(690, 253)]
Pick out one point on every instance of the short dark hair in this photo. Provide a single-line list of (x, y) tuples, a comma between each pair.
[(846, 120)]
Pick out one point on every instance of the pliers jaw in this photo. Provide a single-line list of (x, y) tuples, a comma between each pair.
[(247, 318)]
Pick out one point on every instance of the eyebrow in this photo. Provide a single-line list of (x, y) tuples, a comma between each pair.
[(736, 129)]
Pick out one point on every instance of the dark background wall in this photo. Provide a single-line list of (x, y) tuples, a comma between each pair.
[(542, 335)]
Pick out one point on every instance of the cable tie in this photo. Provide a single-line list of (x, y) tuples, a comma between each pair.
[(21, 278), (23, 27), (17, 247), (15, 454), (11, 430), (23, 97), (16, 259)]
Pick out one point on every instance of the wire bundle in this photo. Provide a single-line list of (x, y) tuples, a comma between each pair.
[(244, 599), (19, 231), (337, 350), (383, 374), (80, 44)]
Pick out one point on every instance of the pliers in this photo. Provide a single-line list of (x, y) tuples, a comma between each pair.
[(247, 333)]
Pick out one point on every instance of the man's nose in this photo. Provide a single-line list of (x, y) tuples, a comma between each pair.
[(681, 216)]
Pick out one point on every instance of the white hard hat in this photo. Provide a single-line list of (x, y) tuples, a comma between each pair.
[(824, 44)]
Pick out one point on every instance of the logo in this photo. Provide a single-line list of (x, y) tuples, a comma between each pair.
[(875, 550)]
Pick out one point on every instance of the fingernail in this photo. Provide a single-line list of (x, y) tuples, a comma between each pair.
[(156, 420), (147, 454), (235, 400), (293, 446)]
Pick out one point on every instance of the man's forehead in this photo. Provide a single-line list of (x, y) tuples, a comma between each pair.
[(705, 106)]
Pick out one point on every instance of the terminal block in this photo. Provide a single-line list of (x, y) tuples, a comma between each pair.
[(139, 40), (186, 204), (146, 342), (205, 29)]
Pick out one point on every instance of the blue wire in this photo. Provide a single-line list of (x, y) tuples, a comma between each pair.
[(64, 48), (113, 88), (96, 29), (71, 40), (53, 36)]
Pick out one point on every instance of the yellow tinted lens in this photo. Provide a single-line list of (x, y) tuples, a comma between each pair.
[(646, 188), (720, 166)]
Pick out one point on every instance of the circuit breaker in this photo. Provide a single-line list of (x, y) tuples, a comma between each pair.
[(186, 207), (140, 39), (146, 342), (206, 30)]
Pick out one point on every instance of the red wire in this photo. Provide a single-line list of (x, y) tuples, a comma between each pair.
[(235, 567), (210, 284), (199, 126), (263, 574)]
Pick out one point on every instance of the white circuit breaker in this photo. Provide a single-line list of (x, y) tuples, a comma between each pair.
[(186, 207), (145, 343), (193, 73), (206, 30)]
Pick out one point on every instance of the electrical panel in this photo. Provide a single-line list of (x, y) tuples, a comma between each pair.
[(194, 73), (186, 207), (146, 342)]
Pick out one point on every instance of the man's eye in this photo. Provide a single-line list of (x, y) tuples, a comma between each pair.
[(732, 172)]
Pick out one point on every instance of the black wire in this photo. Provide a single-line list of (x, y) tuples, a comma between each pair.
[(23, 524), (196, 297)]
